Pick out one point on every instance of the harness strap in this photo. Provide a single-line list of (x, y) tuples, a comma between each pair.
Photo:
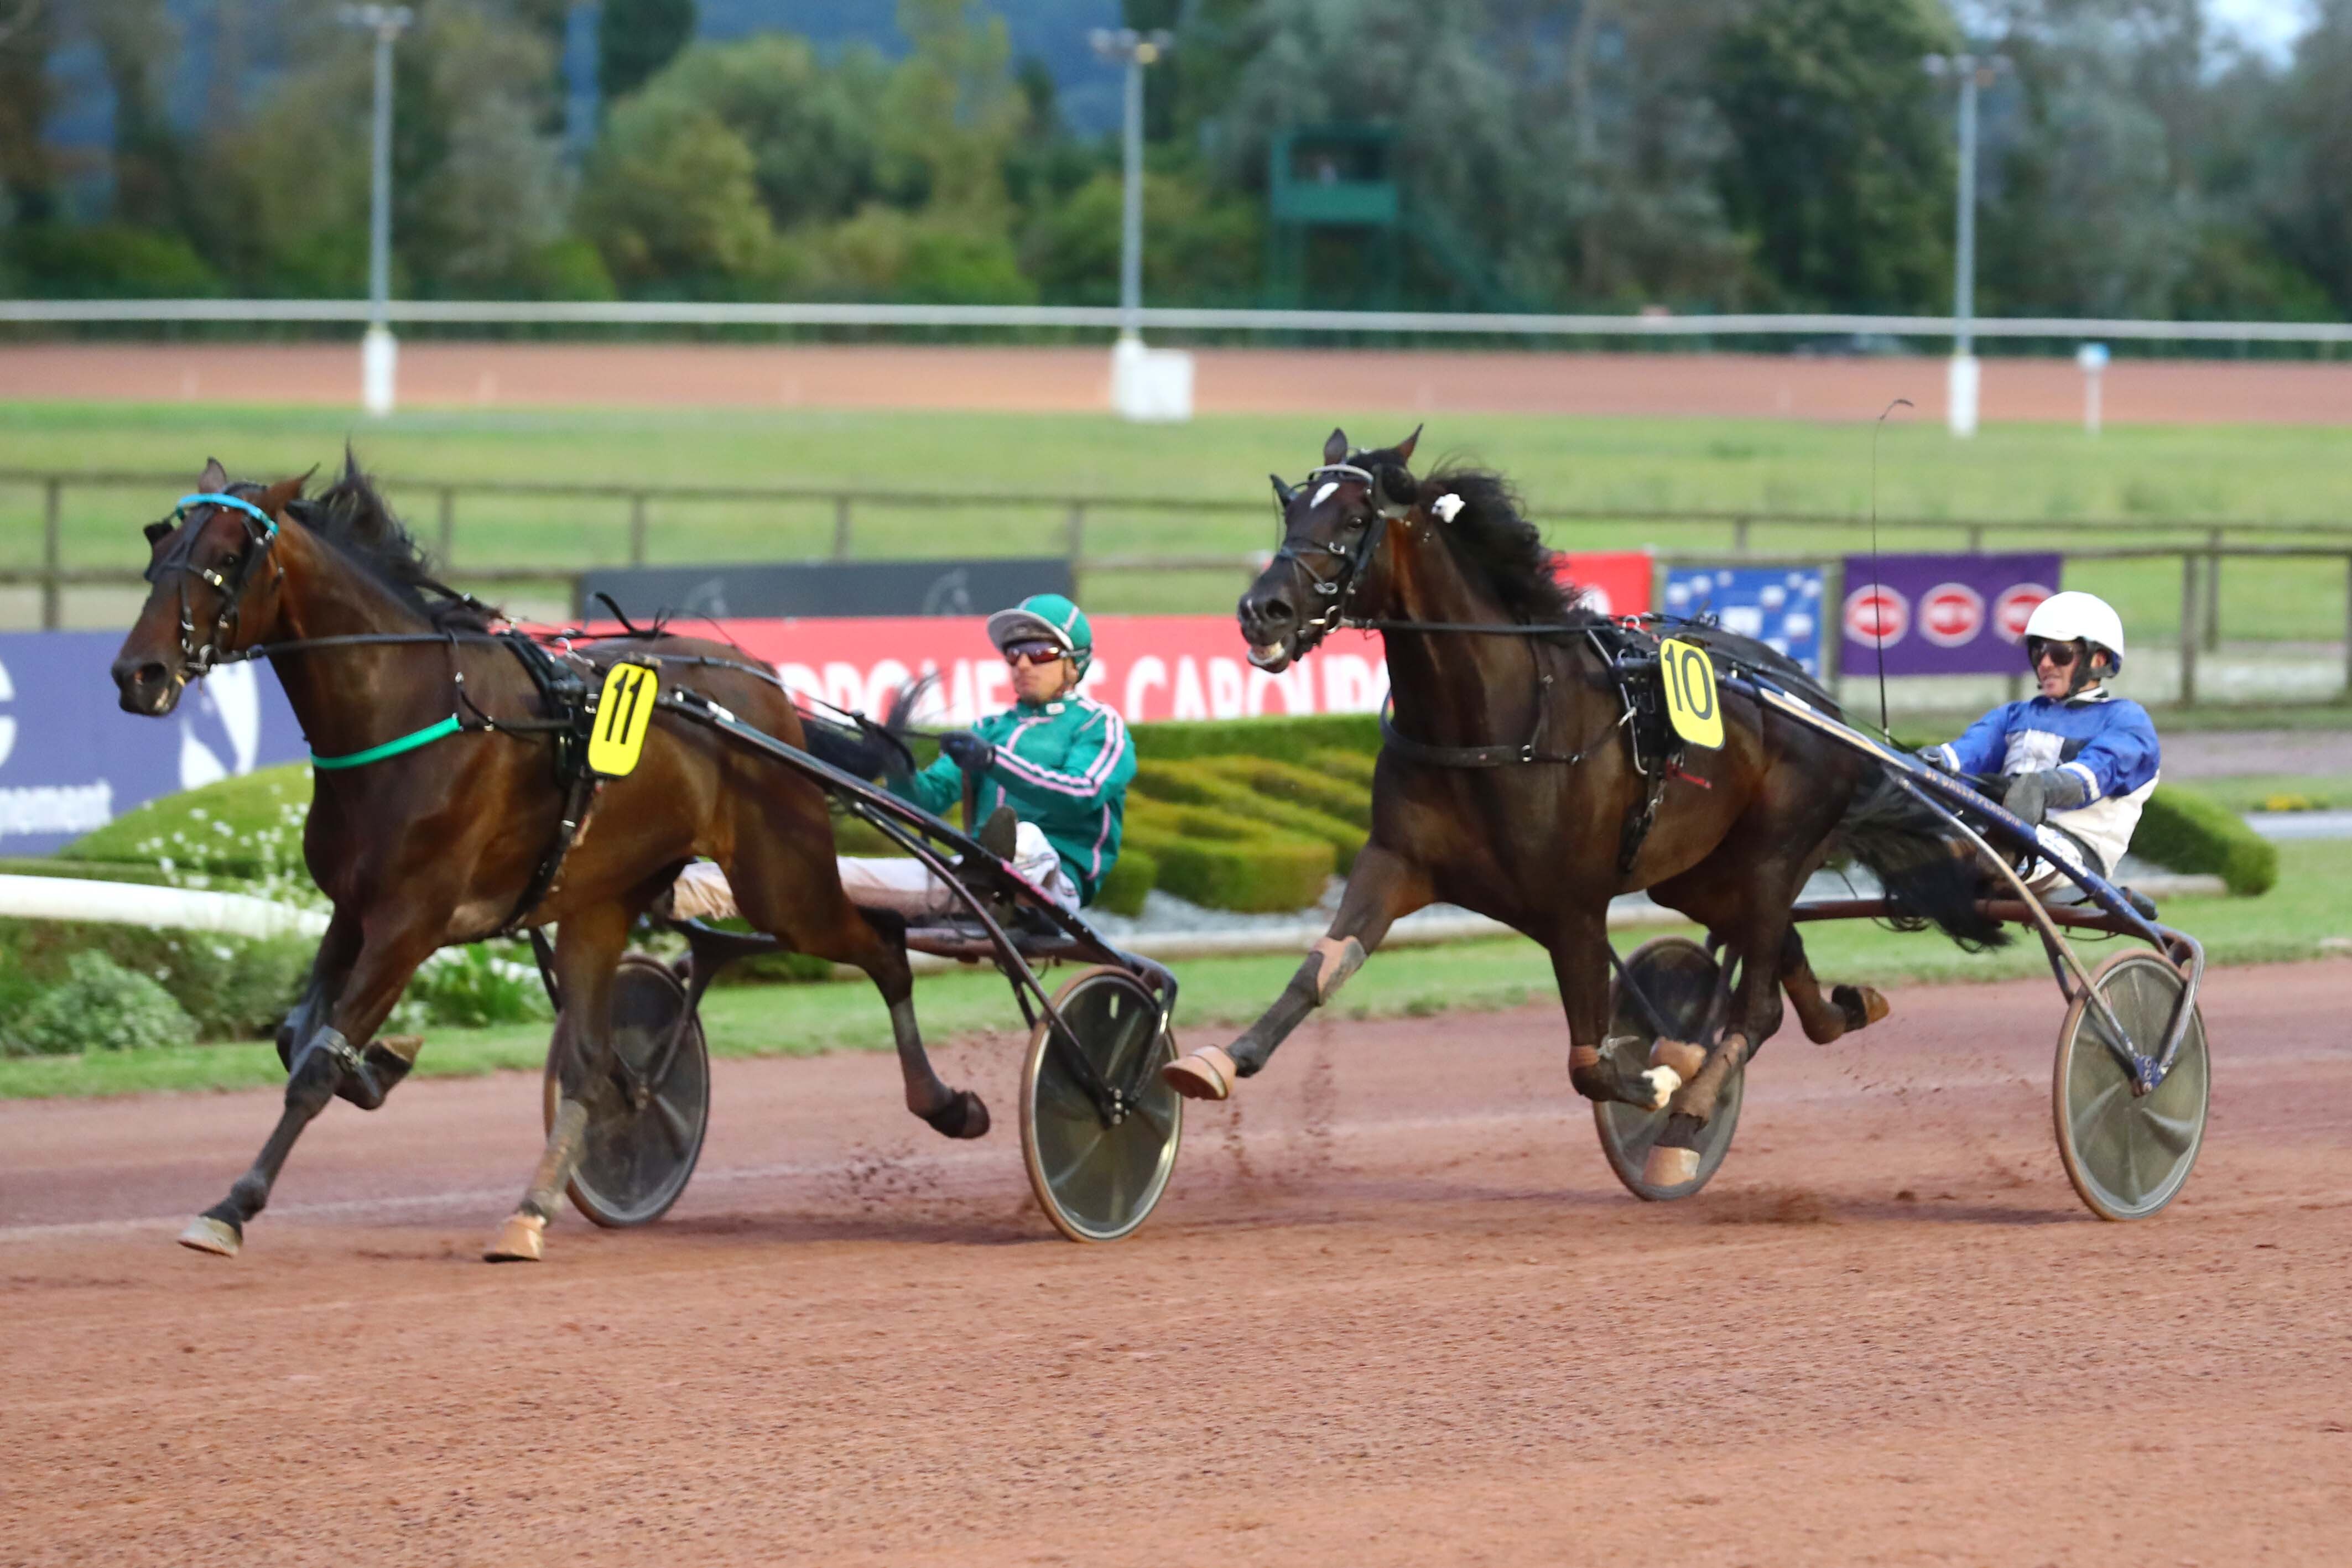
[(409, 742), (1503, 756)]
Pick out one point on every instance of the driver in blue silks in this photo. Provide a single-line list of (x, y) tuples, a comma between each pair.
[(2080, 761)]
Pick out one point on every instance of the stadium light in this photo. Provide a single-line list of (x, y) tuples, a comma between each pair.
[(379, 353), (1143, 385), (1972, 71)]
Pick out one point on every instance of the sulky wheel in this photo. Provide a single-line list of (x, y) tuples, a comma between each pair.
[(1098, 1126), (638, 1158), (2129, 1155), (1679, 979)]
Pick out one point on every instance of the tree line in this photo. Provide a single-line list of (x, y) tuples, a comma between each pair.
[(1547, 154)]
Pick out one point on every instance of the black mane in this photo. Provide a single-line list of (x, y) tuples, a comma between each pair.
[(352, 516), (1493, 542)]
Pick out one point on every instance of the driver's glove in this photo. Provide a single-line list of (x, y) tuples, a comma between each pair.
[(969, 751), (2033, 796), (1933, 756)]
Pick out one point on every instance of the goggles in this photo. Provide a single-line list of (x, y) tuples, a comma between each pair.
[(2060, 655), (1038, 652)]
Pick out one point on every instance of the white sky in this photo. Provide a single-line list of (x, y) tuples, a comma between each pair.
[(2269, 26)]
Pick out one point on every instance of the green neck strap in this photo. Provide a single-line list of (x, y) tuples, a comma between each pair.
[(409, 742)]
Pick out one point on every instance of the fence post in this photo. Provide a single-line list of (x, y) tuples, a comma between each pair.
[(449, 526), (2187, 628), (2213, 592), (1075, 530), (1975, 539), (637, 528), (2347, 628), (840, 527), (52, 610), (1740, 536)]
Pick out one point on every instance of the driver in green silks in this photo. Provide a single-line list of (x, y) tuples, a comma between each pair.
[(1052, 772)]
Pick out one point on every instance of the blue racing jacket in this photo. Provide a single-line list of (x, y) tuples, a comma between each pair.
[(2107, 742)]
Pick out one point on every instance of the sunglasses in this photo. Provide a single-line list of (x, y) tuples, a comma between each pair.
[(2060, 655), (1033, 653)]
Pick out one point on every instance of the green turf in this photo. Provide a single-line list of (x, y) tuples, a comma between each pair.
[(2032, 473), (2289, 923), (2280, 791)]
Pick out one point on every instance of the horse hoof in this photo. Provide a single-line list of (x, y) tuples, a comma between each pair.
[(965, 1116), (1679, 1055), (521, 1239), (217, 1237), (1207, 1073), (1669, 1168), (1862, 1005), (1661, 1081)]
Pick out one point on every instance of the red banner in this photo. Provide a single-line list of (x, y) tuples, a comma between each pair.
[(1147, 667)]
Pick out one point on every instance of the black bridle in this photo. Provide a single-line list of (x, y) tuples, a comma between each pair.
[(1338, 590), (187, 520)]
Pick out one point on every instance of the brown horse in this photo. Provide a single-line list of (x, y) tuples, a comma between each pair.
[(449, 839), (1506, 784)]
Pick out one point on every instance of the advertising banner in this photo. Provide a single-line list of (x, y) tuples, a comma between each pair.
[(71, 760), (1779, 606), (1942, 614), (1146, 667), (770, 589)]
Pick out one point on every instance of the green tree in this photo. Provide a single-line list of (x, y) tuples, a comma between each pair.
[(28, 35), (671, 197), (1199, 248), (636, 38), (2308, 203), (1840, 171)]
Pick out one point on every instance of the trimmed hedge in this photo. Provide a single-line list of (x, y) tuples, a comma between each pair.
[(1355, 767), (1226, 861), (2183, 830), (1341, 798), (1282, 739), (1135, 873), (1203, 783)]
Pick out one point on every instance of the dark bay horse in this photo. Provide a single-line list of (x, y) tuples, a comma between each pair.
[(445, 842), (1505, 785)]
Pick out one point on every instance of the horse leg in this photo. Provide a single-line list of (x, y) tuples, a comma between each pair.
[(1596, 1069), (1826, 1018), (1756, 1016), (364, 987), (810, 914), (588, 946), (1383, 886)]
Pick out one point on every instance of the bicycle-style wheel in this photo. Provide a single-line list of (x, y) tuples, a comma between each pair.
[(637, 1158), (1679, 979), (2129, 1155), (1098, 1127)]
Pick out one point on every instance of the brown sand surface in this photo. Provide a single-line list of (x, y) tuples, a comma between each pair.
[(457, 374), (1394, 1311)]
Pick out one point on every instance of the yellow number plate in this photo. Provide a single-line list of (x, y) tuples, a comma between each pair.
[(1688, 675), (625, 711)]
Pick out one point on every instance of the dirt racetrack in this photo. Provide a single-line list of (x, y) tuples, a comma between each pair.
[(459, 374), (1394, 1311)]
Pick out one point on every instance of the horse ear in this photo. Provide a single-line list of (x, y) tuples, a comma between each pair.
[(1404, 448), (1283, 494), (273, 500), (1397, 488), (214, 479), (1335, 450), (155, 532)]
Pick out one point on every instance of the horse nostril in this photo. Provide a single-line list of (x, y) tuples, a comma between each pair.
[(1275, 610)]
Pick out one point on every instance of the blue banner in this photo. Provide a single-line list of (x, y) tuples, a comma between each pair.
[(71, 760), (1779, 606)]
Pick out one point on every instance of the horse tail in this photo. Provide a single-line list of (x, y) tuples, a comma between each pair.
[(1927, 870), (865, 747)]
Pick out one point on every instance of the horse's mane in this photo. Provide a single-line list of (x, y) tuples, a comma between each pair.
[(352, 515), (1502, 549)]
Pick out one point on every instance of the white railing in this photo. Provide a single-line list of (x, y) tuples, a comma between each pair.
[(1105, 318)]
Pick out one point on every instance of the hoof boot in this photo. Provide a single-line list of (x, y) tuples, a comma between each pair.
[(521, 1239), (1862, 1005), (1684, 1058), (1669, 1168), (217, 1237), (1207, 1073)]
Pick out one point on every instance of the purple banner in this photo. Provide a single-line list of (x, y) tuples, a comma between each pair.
[(1942, 614), (71, 760)]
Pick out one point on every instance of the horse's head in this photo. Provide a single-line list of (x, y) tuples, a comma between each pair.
[(1338, 519), (209, 594)]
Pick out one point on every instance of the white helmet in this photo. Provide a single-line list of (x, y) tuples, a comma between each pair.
[(2066, 617)]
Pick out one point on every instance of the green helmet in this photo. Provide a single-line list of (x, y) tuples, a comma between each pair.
[(1047, 617)]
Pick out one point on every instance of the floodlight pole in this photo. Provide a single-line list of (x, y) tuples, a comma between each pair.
[(1135, 50), (1974, 71), (378, 351)]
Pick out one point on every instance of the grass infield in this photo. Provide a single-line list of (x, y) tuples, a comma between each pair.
[(2028, 473), (2290, 923)]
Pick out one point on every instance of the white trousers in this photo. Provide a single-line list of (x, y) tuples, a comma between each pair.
[(701, 891)]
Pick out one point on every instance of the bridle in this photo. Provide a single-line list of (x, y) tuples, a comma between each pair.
[(1337, 591), (261, 533)]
